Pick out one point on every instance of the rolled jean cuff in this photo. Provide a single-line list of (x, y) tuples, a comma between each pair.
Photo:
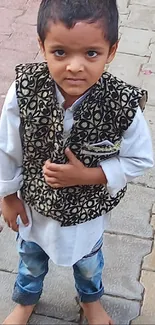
[(90, 297), (25, 298)]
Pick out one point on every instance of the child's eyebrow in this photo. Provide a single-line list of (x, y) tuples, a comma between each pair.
[(86, 48), (56, 46), (95, 47)]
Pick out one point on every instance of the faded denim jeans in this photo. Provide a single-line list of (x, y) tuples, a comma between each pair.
[(33, 266)]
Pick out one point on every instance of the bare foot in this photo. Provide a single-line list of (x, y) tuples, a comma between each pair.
[(20, 315), (95, 314)]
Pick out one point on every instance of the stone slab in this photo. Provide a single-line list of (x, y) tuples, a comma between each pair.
[(13, 4), (8, 17), (3, 37), (41, 320), (153, 209), (8, 251), (127, 67), (1, 103), (153, 222), (152, 49), (144, 320), (147, 75), (149, 3), (23, 38), (132, 216), (148, 82), (123, 258), (50, 306), (9, 58), (30, 15), (148, 179), (123, 6), (122, 19), (148, 311), (121, 310), (134, 41), (141, 17), (6, 284), (147, 69), (39, 57), (149, 260)]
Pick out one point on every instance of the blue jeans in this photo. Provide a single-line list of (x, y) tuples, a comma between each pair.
[(33, 266)]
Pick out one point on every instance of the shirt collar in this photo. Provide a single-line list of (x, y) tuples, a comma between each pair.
[(61, 99)]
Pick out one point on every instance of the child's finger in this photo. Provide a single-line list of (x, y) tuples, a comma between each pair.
[(49, 173), (71, 157), (47, 163), (51, 180), (56, 185), (24, 218), (51, 166)]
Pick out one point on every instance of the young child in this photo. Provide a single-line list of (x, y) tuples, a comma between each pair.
[(71, 137)]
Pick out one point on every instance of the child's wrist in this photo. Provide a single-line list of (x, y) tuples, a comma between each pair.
[(10, 196), (94, 176)]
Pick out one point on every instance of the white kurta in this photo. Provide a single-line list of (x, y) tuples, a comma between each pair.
[(66, 245)]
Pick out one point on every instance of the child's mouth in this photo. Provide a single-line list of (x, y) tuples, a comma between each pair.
[(75, 81)]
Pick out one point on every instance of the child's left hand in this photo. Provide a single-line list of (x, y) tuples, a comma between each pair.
[(72, 173)]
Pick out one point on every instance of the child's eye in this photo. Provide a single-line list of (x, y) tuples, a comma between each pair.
[(59, 53), (92, 54)]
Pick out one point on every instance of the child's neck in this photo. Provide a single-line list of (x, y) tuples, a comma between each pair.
[(68, 104), (69, 100)]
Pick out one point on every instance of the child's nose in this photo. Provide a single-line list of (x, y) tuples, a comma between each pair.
[(75, 65)]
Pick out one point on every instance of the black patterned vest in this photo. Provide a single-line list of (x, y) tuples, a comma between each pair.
[(105, 113)]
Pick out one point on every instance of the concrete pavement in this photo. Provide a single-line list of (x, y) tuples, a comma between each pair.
[(129, 246)]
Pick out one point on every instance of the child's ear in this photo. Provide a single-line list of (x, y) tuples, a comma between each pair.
[(41, 45), (112, 52)]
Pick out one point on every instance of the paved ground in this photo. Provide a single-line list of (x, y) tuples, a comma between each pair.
[(129, 277)]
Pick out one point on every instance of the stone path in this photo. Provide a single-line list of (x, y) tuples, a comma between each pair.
[(129, 249)]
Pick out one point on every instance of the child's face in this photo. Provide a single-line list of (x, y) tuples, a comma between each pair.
[(76, 57)]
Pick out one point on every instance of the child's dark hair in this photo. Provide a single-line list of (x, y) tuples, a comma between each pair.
[(70, 12)]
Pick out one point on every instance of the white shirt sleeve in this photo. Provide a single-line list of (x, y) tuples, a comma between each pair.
[(136, 155), (10, 146)]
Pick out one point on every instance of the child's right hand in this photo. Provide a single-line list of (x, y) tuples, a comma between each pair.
[(12, 206)]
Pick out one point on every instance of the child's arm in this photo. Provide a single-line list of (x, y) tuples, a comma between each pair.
[(11, 161), (135, 156)]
